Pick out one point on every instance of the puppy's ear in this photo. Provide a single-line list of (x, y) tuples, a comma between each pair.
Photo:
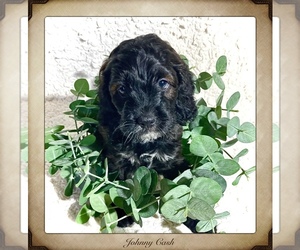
[(186, 109), (106, 106)]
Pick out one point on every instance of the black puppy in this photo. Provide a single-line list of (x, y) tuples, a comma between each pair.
[(146, 95)]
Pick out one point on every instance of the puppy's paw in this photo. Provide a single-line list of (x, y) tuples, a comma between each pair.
[(126, 222)]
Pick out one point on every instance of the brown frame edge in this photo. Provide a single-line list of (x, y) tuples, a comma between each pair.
[(30, 3), (269, 3)]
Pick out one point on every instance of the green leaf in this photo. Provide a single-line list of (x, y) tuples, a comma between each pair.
[(63, 162), (233, 126), (88, 140), (123, 192), (116, 199), (135, 211), (246, 133), (227, 167), (206, 189), (143, 176), (203, 110), (52, 169), (212, 118), (233, 100), (65, 172), (54, 129), (174, 210), (53, 153), (276, 133), (149, 210), (220, 99), (185, 60), (69, 188), (218, 111), (199, 172), (207, 166), (204, 81), (100, 202), (221, 215), (74, 92), (242, 153), (83, 215), (218, 80), (166, 185), (81, 86), (92, 93), (206, 225), (229, 143), (203, 145), (137, 189), (221, 65), (215, 157), (196, 131), (24, 135), (186, 134), (83, 199), (184, 178), (73, 105), (250, 170), (109, 221), (87, 120), (60, 142), (200, 209), (180, 192), (237, 180), (24, 154), (154, 180)]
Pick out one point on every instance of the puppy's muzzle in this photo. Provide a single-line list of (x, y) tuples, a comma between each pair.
[(146, 121)]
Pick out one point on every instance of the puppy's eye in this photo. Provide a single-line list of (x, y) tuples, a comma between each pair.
[(121, 89), (163, 83)]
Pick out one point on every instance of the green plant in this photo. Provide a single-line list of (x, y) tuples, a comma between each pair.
[(76, 154)]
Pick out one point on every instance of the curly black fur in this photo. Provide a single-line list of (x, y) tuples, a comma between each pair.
[(146, 95)]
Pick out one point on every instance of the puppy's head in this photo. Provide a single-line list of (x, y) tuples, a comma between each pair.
[(145, 90)]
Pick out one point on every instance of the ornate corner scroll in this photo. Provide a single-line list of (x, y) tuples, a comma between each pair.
[(269, 3), (31, 2), (2, 6), (30, 246), (2, 243), (295, 247), (295, 2)]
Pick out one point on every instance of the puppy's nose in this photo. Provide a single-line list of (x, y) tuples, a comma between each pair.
[(146, 121)]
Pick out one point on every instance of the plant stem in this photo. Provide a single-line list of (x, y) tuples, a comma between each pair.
[(117, 185), (71, 144), (227, 153), (96, 176), (130, 214)]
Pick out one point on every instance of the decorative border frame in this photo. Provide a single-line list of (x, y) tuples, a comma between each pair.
[(289, 176), (295, 247), (11, 236), (295, 2), (4, 2), (2, 243), (35, 241)]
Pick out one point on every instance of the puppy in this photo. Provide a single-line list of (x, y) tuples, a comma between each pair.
[(146, 95)]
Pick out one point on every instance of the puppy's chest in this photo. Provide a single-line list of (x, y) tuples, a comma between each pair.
[(147, 158)]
